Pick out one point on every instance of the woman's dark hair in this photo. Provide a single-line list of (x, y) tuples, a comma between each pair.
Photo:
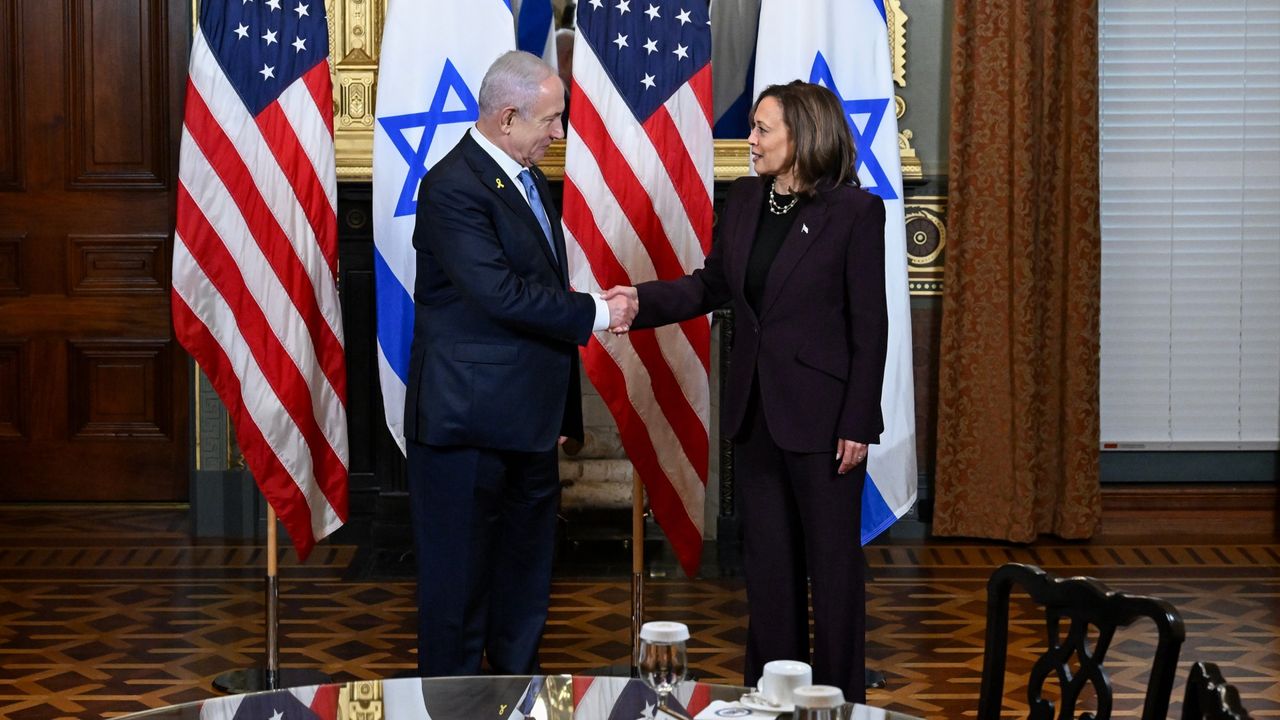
[(825, 155)]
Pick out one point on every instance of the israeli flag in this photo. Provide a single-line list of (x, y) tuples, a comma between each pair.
[(733, 52), (434, 55), (536, 28), (844, 45)]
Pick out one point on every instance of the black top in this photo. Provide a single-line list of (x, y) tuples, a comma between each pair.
[(772, 231)]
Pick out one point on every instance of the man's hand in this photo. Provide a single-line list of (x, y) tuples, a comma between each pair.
[(624, 303)]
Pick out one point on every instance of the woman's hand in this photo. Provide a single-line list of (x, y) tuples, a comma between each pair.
[(849, 453)]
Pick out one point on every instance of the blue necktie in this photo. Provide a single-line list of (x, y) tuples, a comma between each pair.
[(535, 202)]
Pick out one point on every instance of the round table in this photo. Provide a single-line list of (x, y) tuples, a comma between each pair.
[(500, 697)]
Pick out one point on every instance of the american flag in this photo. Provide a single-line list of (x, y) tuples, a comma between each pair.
[(255, 298), (317, 702), (620, 698), (637, 206)]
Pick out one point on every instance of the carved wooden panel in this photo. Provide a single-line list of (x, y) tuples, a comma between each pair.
[(119, 388), (117, 264), (10, 97), (118, 93), (11, 264), (12, 401)]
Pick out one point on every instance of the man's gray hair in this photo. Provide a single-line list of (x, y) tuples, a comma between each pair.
[(513, 80)]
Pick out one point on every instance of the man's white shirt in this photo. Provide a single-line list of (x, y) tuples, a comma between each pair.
[(512, 169)]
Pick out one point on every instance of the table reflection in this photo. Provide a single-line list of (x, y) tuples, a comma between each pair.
[(540, 697)]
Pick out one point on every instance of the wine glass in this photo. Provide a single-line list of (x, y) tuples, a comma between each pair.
[(662, 662)]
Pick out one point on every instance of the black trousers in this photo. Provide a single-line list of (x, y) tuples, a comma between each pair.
[(801, 528), (484, 525)]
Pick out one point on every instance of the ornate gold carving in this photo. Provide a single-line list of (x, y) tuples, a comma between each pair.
[(912, 170), (355, 32), (926, 243), (897, 21), (360, 700)]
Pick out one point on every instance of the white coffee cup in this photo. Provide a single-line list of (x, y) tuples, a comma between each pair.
[(781, 678)]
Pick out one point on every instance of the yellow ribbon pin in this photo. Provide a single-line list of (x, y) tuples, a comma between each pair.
[(498, 182)]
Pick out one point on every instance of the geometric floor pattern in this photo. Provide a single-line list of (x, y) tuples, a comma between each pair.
[(110, 611)]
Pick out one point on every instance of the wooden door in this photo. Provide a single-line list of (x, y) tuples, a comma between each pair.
[(93, 387)]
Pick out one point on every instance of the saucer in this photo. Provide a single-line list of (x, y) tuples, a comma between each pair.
[(756, 701)]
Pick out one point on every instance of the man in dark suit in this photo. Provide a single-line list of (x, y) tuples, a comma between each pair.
[(494, 379)]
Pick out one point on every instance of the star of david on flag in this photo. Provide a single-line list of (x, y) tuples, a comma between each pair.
[(844, 46), (434, 55), (427, 121), (863, 137)]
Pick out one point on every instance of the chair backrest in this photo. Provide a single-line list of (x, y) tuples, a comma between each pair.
[(1210, 697), (1083, 602)]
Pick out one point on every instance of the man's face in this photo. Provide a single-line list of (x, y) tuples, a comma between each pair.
[(529, 137)]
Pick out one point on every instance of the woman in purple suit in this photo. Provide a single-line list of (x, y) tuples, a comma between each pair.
[(799, 257)]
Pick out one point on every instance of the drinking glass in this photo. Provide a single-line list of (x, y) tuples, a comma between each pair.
[(820, 702), (663, 662)]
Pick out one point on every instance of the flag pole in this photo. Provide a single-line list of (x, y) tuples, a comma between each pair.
[(270, 677), (637, 565)]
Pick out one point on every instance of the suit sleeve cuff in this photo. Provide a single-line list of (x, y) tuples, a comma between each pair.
[(602, 314)]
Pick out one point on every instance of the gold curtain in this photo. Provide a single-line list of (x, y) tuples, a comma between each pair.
[(1018, 388)]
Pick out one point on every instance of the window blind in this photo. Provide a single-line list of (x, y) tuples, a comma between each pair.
[(1190, 210)]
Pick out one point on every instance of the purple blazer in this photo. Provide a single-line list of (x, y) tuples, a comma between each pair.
[(819, 343)]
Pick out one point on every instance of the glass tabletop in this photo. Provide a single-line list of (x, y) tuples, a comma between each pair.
[(503, 697)]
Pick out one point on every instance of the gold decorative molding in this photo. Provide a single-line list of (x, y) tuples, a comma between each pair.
[(926, 243), (912, 170), (732, 160), (361, 700), (897, 21), (355, 32)]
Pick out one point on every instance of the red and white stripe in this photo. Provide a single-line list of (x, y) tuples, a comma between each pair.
[(255, 297), (637, 207), (597, 697), (319, 699)]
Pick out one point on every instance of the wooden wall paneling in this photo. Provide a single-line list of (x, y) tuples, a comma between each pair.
[(118, 94), (10, 96), (12, 385), (119, 389), (11, 277), (117, 264), (84, 267)]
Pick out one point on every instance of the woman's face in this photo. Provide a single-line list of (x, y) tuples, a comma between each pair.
[(772, 151)]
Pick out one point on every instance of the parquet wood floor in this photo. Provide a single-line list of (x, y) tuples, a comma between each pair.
[(105, 611)]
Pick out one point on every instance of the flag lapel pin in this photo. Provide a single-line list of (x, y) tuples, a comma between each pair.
[(804, 228), (498, 183)]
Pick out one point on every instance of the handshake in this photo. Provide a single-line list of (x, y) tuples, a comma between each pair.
[(624, 303)]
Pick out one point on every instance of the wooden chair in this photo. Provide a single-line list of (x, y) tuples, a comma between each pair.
[(1209, 697), (1083, 603)]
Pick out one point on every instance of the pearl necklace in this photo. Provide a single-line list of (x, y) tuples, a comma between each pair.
[(774, 206)]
